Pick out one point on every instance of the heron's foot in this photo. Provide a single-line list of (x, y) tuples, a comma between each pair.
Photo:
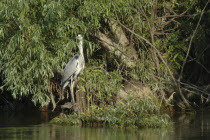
[(62, 97), (67, 105)]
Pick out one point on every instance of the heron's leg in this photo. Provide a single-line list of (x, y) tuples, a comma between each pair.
[(63, 88), (67, 95), (72, 91)]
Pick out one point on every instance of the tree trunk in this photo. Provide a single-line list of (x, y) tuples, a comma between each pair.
[(119, 45), (81, 99)]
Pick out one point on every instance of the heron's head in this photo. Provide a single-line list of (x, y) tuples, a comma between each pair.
[(79, 37)]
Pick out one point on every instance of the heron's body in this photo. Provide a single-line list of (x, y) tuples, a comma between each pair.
[(73, 69)]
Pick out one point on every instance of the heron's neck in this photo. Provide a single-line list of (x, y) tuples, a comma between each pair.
[(81, 48)]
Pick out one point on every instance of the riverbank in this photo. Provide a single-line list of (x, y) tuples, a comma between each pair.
[(131, 112)]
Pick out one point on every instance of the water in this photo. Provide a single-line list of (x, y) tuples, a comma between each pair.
[(35, 126)]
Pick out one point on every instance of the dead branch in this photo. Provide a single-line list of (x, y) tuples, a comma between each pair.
[(195, 89)]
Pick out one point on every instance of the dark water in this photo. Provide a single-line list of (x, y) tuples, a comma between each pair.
[(34, 126)]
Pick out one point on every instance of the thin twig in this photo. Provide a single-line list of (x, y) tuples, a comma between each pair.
[(191, 86), (180, 15), (151, 45), (190, 44)]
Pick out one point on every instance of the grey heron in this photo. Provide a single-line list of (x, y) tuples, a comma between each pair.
[(73, 69)]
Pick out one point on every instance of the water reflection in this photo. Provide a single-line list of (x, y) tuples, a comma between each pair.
[(33, 128), (194, 128), (22, 118), (56, 132)]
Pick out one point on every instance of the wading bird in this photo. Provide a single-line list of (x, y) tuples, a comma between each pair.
[(73, 69)]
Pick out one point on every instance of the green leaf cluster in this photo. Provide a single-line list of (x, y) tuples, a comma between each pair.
[(101, 86)]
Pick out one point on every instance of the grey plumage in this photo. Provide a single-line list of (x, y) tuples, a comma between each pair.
[(73, 69)]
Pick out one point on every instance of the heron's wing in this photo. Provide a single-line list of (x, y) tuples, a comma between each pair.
[(70, 68)]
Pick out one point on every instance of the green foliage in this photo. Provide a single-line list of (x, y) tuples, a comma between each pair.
[(176, 51), (100, 85), (135, 111), (70, 120), (131, 113), (144, 69), (38, 37)]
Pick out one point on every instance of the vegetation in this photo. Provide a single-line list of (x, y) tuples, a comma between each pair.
[(130, 113), (161, 44)]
